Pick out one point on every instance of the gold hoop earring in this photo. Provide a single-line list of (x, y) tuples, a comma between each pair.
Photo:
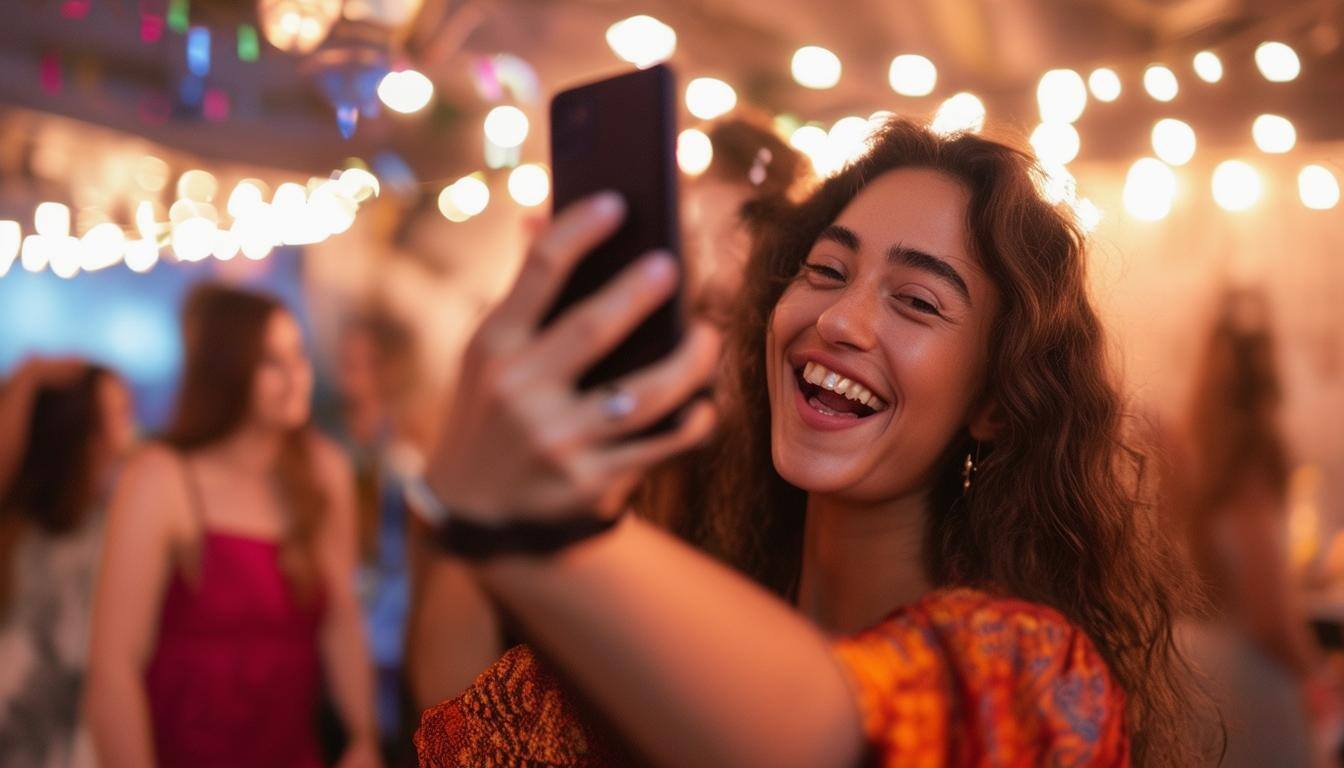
[(968, 470)]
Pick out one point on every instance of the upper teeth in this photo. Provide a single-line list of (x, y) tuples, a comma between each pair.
[(827, 379)]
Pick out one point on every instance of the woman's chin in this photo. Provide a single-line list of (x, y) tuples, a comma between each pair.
[(814, 472)]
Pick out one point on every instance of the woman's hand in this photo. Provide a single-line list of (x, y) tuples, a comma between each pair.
[(519, 441)]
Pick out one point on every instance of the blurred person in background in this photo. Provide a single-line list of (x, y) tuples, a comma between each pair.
[(948, 565), (1227, 480), (455, 632), (66, 424), (227, 583), (380, 425)]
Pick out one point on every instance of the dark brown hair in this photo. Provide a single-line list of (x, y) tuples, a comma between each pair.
[(223, 331), (56, 485), (1055, 514), (747, 150)]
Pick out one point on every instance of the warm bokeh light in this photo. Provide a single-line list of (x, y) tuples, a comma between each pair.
[(1173, 141), (146, 220), (334, 212), (101, 247), (811, 141), (1056, 142), (1316, 185), (52, 219), (65, 256), (1061, 96), (912, 75), (11, 239), (1236, 185), (141, 255), (694, 151), (151, 173), (506, 126), (529, 185), (848, 139), (815, 67), (358, 184), (193, 238), (1277, 62), (297, 26), (226, 244), (469, 194), (33, 253), (1104, 83), (1056, 184), (246, 196), (1208, 67), (1273, 134), (961, 113), (1088, 215), (258, 233), (642, 40), (709, 97), (1160, 82), (197, 185), (406, 91), (1150, 189)]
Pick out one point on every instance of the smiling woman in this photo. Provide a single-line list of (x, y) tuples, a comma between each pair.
[(920, 470)]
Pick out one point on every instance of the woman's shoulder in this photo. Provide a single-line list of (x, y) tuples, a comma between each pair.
[(329, 459)]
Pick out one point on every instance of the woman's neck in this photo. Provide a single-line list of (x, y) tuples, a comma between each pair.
[(249, 449), (861, 562)]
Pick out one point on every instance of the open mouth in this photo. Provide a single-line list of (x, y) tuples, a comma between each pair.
[(832, 394)]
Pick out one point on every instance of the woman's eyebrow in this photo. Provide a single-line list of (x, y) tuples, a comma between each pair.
[(841, 235), (934, 265)]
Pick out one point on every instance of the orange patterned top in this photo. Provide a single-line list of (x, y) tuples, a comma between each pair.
[(960, 678)]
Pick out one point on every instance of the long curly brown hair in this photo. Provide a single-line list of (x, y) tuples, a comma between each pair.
[(1055, 515)]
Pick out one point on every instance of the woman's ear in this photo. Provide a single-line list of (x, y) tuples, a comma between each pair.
[(987, 422)]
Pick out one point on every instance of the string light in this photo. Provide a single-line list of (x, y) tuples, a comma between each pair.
[(245, 198), (961, 113), (52, 219), (694, 151), (1273, 134), (642, 40), (297, 26), (1316, 185), (197, 185), (469, 194), (1208, 67), (529, 185), (33, 254), (141, 255), (1277, 62), (912, 75), (815, 67), (1236, 185), (1061, 95), (65, 256), (101, 247), (708, 98), (1104, 84), (1173, 141), (1056, 142), (1160, 82), (406, 91), (506, 126), (193, 238), (1150, 189)]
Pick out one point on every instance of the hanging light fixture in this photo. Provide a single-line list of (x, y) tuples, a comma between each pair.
[(297, 26)]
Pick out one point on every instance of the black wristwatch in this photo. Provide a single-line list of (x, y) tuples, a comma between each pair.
[(458, 536)]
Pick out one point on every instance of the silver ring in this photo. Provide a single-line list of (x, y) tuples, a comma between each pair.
[(616, 403)]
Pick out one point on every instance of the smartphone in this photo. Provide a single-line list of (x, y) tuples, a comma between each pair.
[(620, 134)]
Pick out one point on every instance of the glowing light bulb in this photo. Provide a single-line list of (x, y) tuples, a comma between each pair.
[(506, 126), (1104, 84), (529, 185), (962, 113), (52, 219), (1316, 185), (197, 185), (1160, 82), (35, 253), (1150, 189), (1061, 95), (815, 67), (912, 75), (694, 151), (1277, 62), (101, 247), (406, 91), (1173, 141), (358, 184), (1273, 134), (642, 40), (245, 197), (333, 210), (141, 255), (708, 98), (65, 256), (298, 26), (469, 195), (1236, 185), (848, 139), (1208, 67), (1088, 215), (226, 244), (193, 239), (1056, 142)]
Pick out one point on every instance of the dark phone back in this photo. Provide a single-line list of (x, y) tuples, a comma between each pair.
[(620, 134)]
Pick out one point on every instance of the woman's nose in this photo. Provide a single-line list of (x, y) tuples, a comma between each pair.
[(851, 320)]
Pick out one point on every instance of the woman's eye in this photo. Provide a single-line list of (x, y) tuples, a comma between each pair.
[(825, 272), (920, 305)]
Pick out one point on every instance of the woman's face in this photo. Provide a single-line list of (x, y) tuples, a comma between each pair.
[(117, 412), (896, 311), (283, 384)]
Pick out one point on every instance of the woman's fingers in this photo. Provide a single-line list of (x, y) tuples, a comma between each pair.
[(594, 327), (577, 230), (638, 455), (653, 392)]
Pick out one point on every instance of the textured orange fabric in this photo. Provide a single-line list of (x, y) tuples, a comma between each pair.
[(963, 678), (960, 678)]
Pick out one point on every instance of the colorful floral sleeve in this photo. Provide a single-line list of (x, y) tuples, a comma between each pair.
[(962, 678)]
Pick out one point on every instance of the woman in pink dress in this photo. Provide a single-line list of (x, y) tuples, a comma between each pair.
[(226, 588)]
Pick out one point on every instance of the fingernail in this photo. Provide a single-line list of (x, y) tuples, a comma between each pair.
[(608, 203), (659, 266)]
